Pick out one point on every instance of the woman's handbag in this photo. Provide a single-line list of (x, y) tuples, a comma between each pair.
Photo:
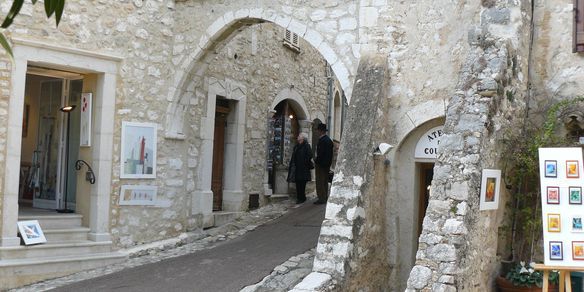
[(331, 174)]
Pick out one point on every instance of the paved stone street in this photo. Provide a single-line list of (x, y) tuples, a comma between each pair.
[(216, 240)]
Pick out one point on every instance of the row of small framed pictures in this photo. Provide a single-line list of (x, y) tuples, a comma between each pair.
[(557, 250), (574, 195), (555, 223), (572, 170)]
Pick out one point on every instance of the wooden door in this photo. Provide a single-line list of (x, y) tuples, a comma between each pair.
[(218, 155), (426, 175)]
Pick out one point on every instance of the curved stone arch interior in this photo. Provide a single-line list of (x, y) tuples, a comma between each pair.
[(407, 205), (295, 100), (219, 34)]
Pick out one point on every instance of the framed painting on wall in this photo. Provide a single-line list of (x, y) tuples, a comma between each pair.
[(490, 186), (138, 157), (85, 120), (138, 195)]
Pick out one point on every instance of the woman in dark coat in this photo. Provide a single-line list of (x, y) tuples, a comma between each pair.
[(300, 166)]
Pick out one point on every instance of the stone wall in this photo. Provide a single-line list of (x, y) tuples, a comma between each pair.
[(557, 73), (458, 244), (256, 58)]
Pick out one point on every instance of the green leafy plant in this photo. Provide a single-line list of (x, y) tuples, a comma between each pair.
[(55, 7), (526, 276), (521, 177)]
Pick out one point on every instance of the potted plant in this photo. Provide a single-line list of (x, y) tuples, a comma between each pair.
[(524, 278)]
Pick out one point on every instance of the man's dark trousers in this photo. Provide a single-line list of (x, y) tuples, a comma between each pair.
[(322, 183)]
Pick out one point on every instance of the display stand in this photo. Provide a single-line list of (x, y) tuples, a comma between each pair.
[(564, 274)]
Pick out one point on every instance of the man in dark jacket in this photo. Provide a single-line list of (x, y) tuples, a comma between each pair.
[(323, 161)]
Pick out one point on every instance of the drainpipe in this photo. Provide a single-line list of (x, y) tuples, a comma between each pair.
[(329, 97)]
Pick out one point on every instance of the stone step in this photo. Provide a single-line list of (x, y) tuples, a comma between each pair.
[(223, 217), (18, 272), (55, 221), (275, 198), (54, 249), (68, 234)]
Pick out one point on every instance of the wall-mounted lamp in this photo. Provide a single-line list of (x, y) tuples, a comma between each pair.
[(291, 116), (383, 149)]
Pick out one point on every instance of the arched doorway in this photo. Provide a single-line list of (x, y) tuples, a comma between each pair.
[(284, 129), (413, 171)]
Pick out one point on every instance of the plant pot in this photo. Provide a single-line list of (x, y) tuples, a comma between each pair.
[(505, 285)]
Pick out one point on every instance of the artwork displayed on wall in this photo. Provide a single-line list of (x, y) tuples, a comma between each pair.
[(553, 195), (572, 169), (578, 250), (556, 250), (577, 223), (551, 168), (575, 195), (138, 157), (31, 232), (561, 206), (490, 185), (554, 223), (138, 195), (85, 122)]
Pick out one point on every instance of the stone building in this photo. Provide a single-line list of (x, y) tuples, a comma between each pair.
[(441, 81)]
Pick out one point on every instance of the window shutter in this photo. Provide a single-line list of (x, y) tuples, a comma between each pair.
[(292, 40), (578, 43)]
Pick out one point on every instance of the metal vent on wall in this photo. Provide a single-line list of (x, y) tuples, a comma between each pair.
[(292, 41)]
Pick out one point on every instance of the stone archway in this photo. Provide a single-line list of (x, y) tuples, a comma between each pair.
[(191, 63)]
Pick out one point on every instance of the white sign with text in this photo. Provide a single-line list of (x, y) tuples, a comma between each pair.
[(427, 146)]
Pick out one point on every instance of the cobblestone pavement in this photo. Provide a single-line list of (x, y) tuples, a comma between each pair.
[(283, 278)]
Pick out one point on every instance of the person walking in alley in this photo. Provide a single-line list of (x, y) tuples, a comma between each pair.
[(300, 166), (323, 161)]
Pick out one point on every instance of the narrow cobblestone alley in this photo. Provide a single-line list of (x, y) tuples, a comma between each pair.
[(226, 258)]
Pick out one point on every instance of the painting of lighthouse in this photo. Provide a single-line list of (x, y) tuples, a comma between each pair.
[(138, 159)]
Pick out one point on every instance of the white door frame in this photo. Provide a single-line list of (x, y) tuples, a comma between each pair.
[(106, 68)]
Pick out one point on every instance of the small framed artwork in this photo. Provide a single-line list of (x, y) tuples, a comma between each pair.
[(554, 223), (553, 195), (578, 250), (572, 170), (551, 168), (31, 232), (575, 195), (577, 223), (138, 195), (556, 250), (85, 120), (138, 158), (490, 186)]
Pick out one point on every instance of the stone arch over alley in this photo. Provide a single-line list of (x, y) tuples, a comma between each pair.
[(191, 61)]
